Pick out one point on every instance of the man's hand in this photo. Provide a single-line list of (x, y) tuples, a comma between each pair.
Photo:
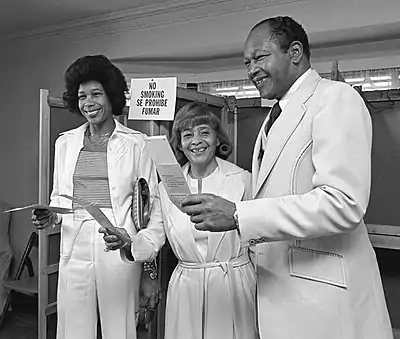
[(210, 212)]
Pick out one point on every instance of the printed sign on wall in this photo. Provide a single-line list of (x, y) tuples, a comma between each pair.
[(153, 99)]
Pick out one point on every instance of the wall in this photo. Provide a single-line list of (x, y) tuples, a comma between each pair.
[(349, 31), (194, 41)]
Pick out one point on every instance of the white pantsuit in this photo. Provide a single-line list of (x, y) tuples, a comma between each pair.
[(92, 281)]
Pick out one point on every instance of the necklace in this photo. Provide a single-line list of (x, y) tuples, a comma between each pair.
[(99, 140)]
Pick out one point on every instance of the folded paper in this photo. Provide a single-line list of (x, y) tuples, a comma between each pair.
[(168, 168)]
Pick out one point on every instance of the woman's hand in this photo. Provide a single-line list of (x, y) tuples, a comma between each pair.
[(114, 242), (43, 218), (150, 296)]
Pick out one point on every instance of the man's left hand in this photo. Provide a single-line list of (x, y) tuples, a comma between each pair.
[(210, 212)]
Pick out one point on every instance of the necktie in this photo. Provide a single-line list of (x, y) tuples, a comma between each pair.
[(273, 115), (275, 112)]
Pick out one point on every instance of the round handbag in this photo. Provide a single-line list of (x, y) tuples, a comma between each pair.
[(141, 204)]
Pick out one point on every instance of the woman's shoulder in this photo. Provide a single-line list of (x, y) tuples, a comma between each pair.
[(230, 169), (65, 135), (236, 178), (130, 134)]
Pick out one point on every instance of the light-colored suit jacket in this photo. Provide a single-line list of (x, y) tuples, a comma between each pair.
[(317, 272)]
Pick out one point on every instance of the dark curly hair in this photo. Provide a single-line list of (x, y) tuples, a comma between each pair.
[(285, 30), (194, 114), (95, 68)]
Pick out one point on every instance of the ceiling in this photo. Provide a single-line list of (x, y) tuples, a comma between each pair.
[(23, 15), (358, 32)]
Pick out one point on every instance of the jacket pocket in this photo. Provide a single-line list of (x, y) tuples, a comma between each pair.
[(324, 267)]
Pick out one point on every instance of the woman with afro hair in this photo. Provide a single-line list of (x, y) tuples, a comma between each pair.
[(99, 161)]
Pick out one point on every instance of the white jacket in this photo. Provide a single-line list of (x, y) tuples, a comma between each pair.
[(127, 160)]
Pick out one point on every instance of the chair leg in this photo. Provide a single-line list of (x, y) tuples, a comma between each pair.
[(32, 240), (29, 266), (5, 308), (25, 260)]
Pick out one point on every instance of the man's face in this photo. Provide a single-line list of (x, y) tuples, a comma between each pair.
[(267, 66)]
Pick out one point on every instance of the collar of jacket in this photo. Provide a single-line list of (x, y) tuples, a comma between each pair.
[(119, 129), (225, 167)]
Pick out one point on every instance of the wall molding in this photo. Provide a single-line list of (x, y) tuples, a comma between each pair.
[(158, 14)]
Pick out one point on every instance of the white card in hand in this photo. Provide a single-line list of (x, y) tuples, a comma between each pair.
[(60, 210), (168, 168)]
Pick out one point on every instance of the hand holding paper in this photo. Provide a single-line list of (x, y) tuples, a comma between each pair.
[(113, 241), (102, 219), (210, 212), (168, 168), (43, 218)]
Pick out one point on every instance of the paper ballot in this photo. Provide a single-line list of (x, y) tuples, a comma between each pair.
[(54, 209), (168, 168)]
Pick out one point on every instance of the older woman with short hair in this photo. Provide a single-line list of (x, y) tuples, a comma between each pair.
[(212, 290)]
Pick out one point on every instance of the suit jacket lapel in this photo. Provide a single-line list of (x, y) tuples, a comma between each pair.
[(74, 145), (226, 183), (215, 239), (256, 152), (179, 225), (119, 145), (179, 229), (284, 127)]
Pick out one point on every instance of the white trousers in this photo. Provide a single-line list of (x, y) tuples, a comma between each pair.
[(93, 282)]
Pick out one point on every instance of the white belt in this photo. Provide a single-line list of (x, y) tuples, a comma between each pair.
[(227, 267)]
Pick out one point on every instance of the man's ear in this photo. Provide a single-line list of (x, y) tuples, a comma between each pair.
[(218, 142), (296, 51)]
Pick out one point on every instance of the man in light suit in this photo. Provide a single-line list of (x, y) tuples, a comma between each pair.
[(318, 276)]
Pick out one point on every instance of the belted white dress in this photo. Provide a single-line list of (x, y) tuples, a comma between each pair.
[(211, 293)]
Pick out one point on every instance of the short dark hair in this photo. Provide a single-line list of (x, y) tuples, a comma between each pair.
[(285, 30), (194, 114), (95, 68)]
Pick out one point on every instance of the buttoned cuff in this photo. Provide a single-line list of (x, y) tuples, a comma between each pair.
[(244, 218)]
